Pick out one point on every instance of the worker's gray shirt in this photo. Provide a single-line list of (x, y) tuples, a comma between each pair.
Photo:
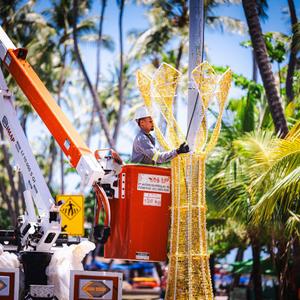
[(144, 151)]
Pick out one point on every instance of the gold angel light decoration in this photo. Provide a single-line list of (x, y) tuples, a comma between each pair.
[(189, 274)]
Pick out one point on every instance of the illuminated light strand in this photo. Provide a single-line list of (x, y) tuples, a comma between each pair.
[(189, 273)]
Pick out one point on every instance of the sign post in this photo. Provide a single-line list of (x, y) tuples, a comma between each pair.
[(196, 41)]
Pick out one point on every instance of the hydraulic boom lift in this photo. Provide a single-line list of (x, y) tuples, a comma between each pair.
[(39, 228), (79, 155)]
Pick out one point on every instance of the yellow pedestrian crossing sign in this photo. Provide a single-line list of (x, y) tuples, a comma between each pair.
[(72, 214)]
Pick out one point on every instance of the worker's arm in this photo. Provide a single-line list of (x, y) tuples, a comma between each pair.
[(145, 152)]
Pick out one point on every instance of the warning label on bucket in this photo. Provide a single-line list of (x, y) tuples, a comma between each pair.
[(142, 255), (151, 199), (153, 183)]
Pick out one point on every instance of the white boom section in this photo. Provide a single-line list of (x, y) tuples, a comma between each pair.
[(36, 187), (5, 44), (22, 153)]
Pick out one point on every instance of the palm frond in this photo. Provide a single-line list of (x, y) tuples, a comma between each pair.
[(281, 195), (107, 42), (293, 224), (256, 148), (294, 132), (224, 23)]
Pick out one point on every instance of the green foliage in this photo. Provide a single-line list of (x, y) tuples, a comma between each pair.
[(89, 212), (297, 37), (276, 44), (281, 182), (169, 58), (5, 221), (222, 238), (89, 203)]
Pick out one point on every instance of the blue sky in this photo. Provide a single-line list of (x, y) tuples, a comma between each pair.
[(223, 48)]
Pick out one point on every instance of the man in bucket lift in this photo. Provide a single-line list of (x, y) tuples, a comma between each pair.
[(143, 150)]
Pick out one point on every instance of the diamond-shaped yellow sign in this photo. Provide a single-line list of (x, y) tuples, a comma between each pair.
[(72, 214), (95, 289), (70, 209)]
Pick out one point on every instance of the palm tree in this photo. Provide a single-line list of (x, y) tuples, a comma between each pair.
[(265, 68), (293, 57), (106, 42), (260, 185), (279, 205), (99, 44), (121, 98), (61, 19), (96, 101), (233, 184)]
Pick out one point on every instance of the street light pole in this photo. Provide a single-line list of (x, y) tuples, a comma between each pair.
[(196, 42)]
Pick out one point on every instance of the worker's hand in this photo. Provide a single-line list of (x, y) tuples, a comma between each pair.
[(183, 148)]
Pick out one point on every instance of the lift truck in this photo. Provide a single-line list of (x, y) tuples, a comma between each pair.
[(139, 195), (40, 227)]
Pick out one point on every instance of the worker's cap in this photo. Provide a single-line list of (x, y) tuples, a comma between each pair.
[(142, 112)]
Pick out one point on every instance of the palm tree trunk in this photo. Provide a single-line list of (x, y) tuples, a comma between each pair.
[(296, 265), (177, 65), (121, 98), (99, 43), (62, 172), (256, 268), (279, 78), (52, 146), (254, 67), (97, 103), (293, 57), (91, 124), (281, 265), (265, 68), (238, 258), (52, 156), (60, 88)]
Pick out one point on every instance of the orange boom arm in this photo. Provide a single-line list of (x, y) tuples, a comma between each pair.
[(40, 98), (79, 155)]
